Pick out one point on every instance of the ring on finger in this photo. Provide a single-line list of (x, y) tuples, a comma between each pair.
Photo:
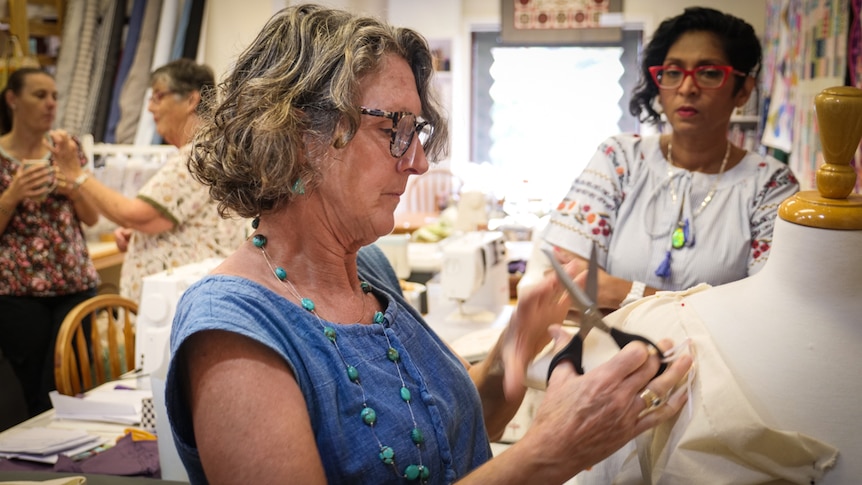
[(652, 401)]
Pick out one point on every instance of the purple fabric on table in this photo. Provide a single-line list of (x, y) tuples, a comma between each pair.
[(126, 458)]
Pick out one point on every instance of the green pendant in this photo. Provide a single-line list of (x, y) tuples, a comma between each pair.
[(678, 238)]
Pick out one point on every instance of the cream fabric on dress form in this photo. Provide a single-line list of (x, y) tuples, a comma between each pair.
[(729, 434)]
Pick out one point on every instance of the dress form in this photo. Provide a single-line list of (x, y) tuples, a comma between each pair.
[(792, 332)]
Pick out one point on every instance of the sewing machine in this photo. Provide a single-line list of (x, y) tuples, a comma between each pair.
[(474, 274), (160, 293)]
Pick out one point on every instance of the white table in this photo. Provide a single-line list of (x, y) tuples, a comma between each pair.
[(101, 429)]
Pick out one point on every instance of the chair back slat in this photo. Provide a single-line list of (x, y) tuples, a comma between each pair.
[(80, 365)]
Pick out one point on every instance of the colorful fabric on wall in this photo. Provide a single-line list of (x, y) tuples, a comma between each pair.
[(107, 51), (805, 51), (130, 47), (146, 131), (133, 99)]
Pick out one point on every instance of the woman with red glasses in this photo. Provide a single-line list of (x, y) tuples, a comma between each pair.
[(670, 211)]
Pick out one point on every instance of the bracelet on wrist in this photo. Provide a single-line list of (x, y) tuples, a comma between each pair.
[(79, 180), (635, 294), (5, 210)]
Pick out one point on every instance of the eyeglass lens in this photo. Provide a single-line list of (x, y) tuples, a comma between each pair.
[(704, 77), (404, 131)]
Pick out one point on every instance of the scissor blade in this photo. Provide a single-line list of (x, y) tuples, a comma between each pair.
[(592, 285), (579, 298)]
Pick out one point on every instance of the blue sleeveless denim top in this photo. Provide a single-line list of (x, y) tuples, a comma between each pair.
[(445, 402)]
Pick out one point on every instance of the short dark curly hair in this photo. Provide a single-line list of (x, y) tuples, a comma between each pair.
[(183, 76), (741, 47), (297, 86)]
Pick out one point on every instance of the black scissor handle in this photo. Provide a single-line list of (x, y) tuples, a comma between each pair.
[(571, 352), (574, 351), (622, 339)]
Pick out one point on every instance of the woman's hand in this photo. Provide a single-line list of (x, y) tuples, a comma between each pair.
[(122, 236), (33, 182), (66, 154), (540, 306), (588, 417)]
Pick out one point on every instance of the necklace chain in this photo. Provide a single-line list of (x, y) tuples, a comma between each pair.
[(368, 415), (706, 200)]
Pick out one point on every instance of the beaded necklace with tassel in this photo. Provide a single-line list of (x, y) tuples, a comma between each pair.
[(680, 230)]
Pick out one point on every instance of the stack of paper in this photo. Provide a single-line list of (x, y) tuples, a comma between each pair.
[(111, 405), (45, 444)]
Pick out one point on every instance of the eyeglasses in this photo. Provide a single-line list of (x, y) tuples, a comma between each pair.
[(404, 125), (158, 96), (705, 77)]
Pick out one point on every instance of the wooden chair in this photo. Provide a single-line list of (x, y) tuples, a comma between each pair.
[(81, 361)]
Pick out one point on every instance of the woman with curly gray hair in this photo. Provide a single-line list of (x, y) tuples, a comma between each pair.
[(298, 360)]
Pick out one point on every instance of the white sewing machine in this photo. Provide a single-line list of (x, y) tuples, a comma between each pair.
[(474, 273), (160, 293)]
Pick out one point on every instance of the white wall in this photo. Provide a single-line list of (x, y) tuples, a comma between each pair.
[(231, 25)]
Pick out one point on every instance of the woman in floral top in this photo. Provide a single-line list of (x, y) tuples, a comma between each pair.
[(173, 221), (669, 211), (45, 269)]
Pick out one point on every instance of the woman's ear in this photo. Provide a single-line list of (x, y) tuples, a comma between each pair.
[(9, 96), (746, 91), (194, 100)]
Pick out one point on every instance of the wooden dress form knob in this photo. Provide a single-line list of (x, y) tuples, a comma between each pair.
[(832, 205)]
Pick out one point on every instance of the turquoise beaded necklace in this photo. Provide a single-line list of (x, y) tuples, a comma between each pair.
[(412, 472)]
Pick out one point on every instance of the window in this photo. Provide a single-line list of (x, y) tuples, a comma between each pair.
[(540, 112)]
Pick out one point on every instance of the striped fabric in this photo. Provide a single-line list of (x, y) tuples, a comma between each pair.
[(106, 43), (74, 19), (80, 88)]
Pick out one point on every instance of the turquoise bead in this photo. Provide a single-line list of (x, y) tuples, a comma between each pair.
[(259, 240), (280, 273), (378, 317), (417, 436), (387, 455), (255, 222), (307, 304), (330, 334), (366, 287), (352, 373), (369, 416), (405, 394), (425, 472), (412, 472), (392, 354)]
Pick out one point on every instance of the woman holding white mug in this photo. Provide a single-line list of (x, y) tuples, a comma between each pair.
[(45, 268)]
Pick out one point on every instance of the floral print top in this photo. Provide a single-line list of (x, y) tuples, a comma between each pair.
[(44, 252), (199, 232), (629, 199)]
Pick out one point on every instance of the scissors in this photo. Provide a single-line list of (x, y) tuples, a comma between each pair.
[(591, 317)]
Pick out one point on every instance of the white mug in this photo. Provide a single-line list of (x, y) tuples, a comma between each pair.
[(49, 187)]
